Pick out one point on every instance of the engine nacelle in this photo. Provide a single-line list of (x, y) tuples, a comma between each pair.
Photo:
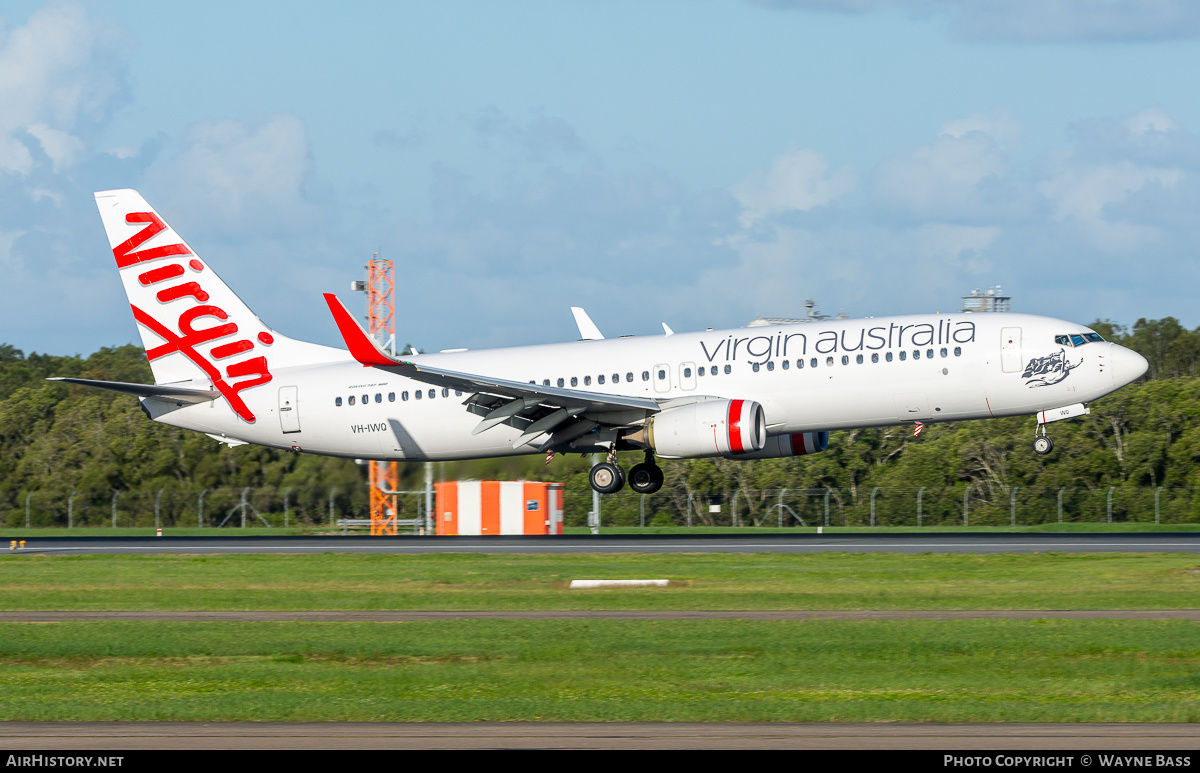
[(796, 444), (729, 428)]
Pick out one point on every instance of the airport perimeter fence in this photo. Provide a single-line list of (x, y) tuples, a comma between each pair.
[(881, 507), (864, 506)]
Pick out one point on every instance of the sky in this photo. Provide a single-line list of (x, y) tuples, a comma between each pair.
[(698, 162)]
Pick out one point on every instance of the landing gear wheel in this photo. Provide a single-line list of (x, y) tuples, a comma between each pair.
[(1043, 445), (645, 478), (606, 478)]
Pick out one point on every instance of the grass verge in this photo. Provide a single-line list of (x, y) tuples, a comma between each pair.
[(538, 581), (976, 671)]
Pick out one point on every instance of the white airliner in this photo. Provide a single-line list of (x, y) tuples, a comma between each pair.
[(745, 393)]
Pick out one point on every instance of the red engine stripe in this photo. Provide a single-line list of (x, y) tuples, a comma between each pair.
[(735, 427), (798, 444)]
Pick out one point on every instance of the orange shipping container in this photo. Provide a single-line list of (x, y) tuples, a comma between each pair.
[(475, 508)]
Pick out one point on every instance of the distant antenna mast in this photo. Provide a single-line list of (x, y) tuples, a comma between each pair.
[(381, 326)]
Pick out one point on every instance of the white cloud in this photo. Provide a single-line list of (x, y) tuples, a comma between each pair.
[(1081, 193), (1033, 21), (55, 71), (1152, 119), (234, 178), (798, 180), (62, 148), (962, 174)]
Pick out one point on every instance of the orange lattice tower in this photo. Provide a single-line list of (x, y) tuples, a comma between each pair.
[(381, 325)]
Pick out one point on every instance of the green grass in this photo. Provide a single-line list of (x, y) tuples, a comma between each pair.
[(9, 533), (973, 671), (538, 581)]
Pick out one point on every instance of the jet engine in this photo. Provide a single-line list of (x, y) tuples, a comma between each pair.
[(729, 428), (795, 444)]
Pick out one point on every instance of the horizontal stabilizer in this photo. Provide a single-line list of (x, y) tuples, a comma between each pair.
[(177, 394)]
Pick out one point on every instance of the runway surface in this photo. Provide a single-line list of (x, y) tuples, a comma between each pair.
[(390, 616), (15, 736), (906, 542)]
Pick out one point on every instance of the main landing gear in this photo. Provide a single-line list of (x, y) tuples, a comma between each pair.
[(607, 477)]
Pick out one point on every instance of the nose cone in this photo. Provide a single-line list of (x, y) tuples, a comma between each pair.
[(1127, 365)]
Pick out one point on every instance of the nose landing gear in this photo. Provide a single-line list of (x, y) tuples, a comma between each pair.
[(1042, 444)]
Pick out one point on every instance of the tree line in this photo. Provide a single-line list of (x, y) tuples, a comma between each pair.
[(56, 437)]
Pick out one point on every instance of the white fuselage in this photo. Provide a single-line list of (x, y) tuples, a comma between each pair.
[(837, 374)]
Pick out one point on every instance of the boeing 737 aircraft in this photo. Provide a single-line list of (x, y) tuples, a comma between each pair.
[(745, 393)]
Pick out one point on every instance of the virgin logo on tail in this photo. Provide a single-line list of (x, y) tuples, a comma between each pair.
[(178, 284)]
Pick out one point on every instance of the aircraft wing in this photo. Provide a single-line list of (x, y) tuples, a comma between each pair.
[(535, 408)]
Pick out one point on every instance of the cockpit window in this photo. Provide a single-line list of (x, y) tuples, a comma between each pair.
[(1078, 339)]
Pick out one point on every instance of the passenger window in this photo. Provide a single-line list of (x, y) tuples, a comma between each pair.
[(875, 357), (391, 397), (687, 372), (799, 364), (350, 400), (419, 394), (700, 371), (714, 370), (432, 393), (378, 398), (600, 379), (754, 367), (944, 352), (828, 361), (813, 362), (958, 351), (903, 356), (645, 376), (337, 401), (845, 359), (916, 354), (458, 393), (629, 377), (561, 382), (404, 396), (728, 370), (787, 364), (859, 359), (888, 356), (616, 378), (771, 365), (587, 380), (546, 382), (366, 399), (445, 393), (574, 381), (662, 374), (929, 354)]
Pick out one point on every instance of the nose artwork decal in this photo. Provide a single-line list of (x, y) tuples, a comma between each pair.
[(1051, 369)]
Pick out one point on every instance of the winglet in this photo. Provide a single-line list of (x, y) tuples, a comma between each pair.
[(357, 341), (587, 329)]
